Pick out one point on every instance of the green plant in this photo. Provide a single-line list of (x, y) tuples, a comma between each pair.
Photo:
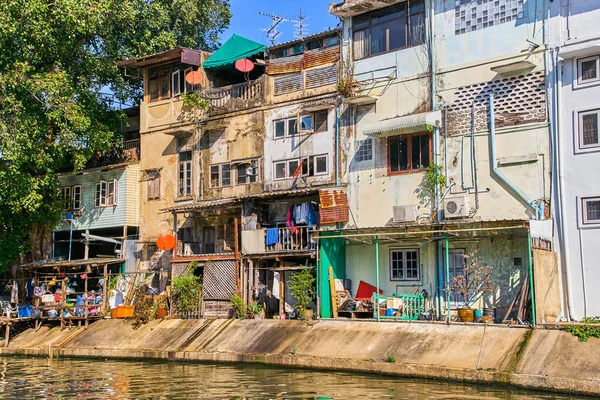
[(186, 292), (238, 307), (431, 181), (293, 352), (253, 309), (302, 285), (390, 358), (587, 330), (476, 279)]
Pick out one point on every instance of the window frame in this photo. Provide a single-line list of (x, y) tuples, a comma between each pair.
[(286, 128), (188, 174), (102, 200), (404, 264), (64, 196), (361, 153), (315, 172), (409, 137), (173, 80), (153, 181), (381, 14), (584, 219), (73, 197), (185, 84), (580, 62), (304, 163), (580, 115)]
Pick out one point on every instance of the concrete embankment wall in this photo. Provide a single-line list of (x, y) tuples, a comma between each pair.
[(538, 359)]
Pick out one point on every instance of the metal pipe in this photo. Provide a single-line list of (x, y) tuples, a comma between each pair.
[(447, 281), (558, 157), (445, 194), (494, 162), (462, 153), (531, 286), (337, 145), (377, 275)]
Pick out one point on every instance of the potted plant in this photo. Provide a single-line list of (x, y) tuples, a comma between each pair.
[(254, 310), (476, 281), (302, 285), (161, 308)]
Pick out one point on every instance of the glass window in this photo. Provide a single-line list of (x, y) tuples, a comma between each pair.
[(153, 87), (588, 69), (66, 197), (409, 152), (176, 82), (185, 173), (153, 185), (588, 128), (591, 210), (378, 38), (242, 175), (306, 123), (164, 85), (364, 150), (225, 175), (280, 170), (332, 41), (76, 197), (292, 124), (320, 165), (214, 176), (279, 129), (320, 119), (404, 265), (292, 167)]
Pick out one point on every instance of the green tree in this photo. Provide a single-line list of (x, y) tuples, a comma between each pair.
[(56, 59)]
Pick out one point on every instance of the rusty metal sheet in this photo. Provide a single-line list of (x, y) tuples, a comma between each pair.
[(288, 84), (315, 57), (333, 206), (283, 65), (321, 76), (190, 57)]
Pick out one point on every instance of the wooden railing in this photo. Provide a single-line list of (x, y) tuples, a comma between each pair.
[(291, 239), (241, 92), (131, 148)]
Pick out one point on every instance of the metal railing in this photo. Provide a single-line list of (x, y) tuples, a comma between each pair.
[(411, 307), (289, 239)]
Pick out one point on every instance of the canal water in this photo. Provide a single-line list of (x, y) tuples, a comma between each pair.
[(31, 378)]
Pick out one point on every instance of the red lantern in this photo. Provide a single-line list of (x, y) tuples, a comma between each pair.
[(165, 242)]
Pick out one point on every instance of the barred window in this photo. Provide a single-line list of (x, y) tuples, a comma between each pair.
[(364, 150), (588, 128), (404, 265), (591, 210)]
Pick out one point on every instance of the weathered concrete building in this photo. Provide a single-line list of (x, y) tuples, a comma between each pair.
[(427, 96), (574, 80)]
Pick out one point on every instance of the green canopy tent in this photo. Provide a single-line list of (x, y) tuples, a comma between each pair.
[(237, 47)]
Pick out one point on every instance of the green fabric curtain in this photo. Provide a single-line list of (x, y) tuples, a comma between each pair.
[(237, 47)]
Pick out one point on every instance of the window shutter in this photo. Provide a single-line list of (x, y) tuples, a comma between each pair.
[(97, 194)]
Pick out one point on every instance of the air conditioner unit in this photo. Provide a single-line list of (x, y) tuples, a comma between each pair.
[(457, 208), (405, 213)]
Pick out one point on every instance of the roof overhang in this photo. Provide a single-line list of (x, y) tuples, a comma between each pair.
[(350, 8), (579, 49), (405, 124), (177, 54), (513, 67)]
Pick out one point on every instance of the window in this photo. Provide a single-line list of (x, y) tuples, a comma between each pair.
[(320, 119), (404, 265), (153, 185), (247, 172), (66, 197), (106, 193), (390, 28), (220, 175), (305, 166), (185, 174), (188, 87), (588, 69), (176, 82), (408, 153), (286, 127), (588, 128), (76, 203), (591, 210), (279, 129), (456, 267), (320, 165), (292, 127), (364, 150), (306, 123)]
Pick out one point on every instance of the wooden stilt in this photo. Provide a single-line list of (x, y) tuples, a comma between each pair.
[(7, 335)]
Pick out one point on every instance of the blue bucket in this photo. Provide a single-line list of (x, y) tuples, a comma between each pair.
[(389, 312), (24, 311)]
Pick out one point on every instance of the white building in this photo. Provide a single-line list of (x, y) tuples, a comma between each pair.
[(574, 80)]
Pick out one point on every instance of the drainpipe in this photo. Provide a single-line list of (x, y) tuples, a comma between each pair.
[(557, 65), (531, 288), (494, 163), (337, 144), (447, 281), (377, 275)]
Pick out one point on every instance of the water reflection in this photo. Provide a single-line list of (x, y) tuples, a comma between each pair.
[(31, 378)]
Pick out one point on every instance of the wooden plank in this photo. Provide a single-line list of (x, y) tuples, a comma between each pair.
[(333, 294)]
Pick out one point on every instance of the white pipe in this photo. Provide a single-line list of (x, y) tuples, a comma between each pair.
[(564, 246)]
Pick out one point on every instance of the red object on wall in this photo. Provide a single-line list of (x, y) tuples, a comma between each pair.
[(194, 78), (165, 242), (244, 65), (365, 291)]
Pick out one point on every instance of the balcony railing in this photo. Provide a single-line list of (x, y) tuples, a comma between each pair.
[(131, 148), (289, 239), (241, 95), (193, 249)]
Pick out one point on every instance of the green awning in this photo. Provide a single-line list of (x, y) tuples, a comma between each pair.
[(235, 48)]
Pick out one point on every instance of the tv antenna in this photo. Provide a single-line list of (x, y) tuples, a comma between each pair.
[(273, 32), (301, 26)]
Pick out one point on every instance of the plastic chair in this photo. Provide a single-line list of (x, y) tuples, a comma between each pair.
[(8, 310)]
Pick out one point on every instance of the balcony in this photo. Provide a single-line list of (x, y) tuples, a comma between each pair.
[(279, 240), (193, 251), (131, 148), (235, 97)]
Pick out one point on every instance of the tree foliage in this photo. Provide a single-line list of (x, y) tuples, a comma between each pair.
[(57, 58)]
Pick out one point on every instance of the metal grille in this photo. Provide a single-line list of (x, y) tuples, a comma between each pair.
[(517, 100), (288, 84), (219, 280), (180, 269), (473, 15), (321, 77)]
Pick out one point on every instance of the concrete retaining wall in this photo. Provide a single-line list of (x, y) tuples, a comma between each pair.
[(540, 359)]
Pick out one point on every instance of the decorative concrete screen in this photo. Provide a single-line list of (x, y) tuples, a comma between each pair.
[(517, 100), (472, 15)]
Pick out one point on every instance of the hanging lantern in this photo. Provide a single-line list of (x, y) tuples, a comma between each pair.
[(165, 242)]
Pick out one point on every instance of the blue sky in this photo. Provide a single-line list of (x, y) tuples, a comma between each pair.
[(246, 21)]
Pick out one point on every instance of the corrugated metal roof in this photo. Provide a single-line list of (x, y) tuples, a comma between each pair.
[(323, 34), (72, 263), (407, 123)]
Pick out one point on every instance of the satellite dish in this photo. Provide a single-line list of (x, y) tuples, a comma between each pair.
[(244, 65), (165, 242), (194, 78)]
